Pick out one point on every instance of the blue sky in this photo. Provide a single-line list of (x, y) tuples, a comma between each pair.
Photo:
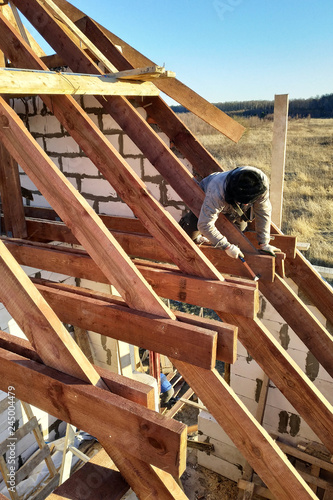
[(230, 49)]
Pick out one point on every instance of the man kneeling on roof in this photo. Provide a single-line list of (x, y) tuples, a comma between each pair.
[(241, 195)]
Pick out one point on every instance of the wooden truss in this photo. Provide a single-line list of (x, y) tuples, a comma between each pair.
[(148, 449)]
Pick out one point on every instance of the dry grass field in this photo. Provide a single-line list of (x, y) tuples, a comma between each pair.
[(308, 190)]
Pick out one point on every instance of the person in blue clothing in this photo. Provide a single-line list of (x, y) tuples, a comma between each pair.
[(167, 391), (241, 195)]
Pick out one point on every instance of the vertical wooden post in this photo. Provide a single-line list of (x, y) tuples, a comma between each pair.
[(11, 198), (281, 106)]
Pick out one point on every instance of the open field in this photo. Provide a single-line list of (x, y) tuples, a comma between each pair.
[(308, 191)]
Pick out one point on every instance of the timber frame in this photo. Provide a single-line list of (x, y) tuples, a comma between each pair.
[(149, 449)]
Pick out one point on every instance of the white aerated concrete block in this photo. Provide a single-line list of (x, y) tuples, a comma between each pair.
[(172, 195), (100, 187), (115, 208), (142, 112), (114, 140), (109, 123), (154, 190), (149, 169), (164, 138), (129, 148), (61, 145), (94, 118), (47, 124), (93, 285), (247, 368), (175, 212), (27, 183), (135, 164), (219, 466), (79, 165)]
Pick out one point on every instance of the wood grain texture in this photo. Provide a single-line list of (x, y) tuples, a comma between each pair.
[(250, 438), (107, 159), (235, 296), (181, 340), (287, 376), (146, 434), (76, 211)]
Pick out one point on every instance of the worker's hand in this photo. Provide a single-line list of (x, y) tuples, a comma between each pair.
[(233, 251), (269, 249)]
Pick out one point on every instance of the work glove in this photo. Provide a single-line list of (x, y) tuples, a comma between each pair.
[(233, 251), (269, 249)]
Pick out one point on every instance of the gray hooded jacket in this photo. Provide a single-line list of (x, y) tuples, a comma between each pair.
[(214, 203)]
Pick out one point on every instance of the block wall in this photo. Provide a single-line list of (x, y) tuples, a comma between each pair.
[(79, 170), (279, 418)]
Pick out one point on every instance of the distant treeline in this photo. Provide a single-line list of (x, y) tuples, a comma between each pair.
[(316, 107)]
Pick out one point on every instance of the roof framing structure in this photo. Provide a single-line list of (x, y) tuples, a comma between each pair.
[(148, 449)]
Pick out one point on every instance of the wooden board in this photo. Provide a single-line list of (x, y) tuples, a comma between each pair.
[(114, 168), (144, 246), (127, 426), (11, 197), (251, 439), (172, 338), (287, 376), (27, 82), (98, 478), (235, 297), (178, 91), (83, 221)]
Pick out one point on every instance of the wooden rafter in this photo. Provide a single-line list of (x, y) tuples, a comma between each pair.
[(131, 189), (178, 91), (144, 433), (89, 229)]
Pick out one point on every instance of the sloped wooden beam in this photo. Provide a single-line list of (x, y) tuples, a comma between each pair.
[(28, 82), (35, 317), (232, 295), (84, 222), (178, 91), (312, 332), (134, 391), (156, 108), (125, 425), (9, 15), (10, 190), (251, 439), (287, 376), (131, 189)]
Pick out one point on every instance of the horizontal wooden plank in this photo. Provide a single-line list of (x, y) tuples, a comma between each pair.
[(127, 426), (226, 334), (287, 244), (125, 387), (235, 296), (98, 478), (171, 338), (35, 82), (144, 246)]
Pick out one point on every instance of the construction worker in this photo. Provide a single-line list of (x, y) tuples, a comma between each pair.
[(167, 391), (241, 195)]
